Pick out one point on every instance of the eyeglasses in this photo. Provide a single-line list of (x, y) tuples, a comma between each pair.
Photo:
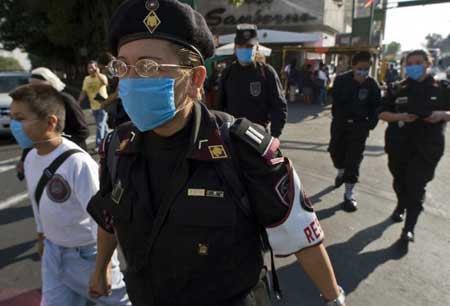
[(145, 68)]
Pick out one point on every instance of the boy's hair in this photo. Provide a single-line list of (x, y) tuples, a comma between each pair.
[(43, 101), (93, 62), (361, 57), (421, 52)]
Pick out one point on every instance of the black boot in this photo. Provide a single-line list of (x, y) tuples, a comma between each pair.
[(398, 215), (407, 236), (350, 205)]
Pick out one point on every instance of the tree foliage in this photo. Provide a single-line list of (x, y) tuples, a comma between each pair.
[(10, 64), (438, 41), (58, 34), (393, 48)]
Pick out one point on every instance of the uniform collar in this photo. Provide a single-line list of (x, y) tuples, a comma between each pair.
[(205, 143)]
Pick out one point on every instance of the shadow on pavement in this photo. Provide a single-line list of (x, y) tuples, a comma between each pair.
[(351, 266), (14, 214), (11, 255), (298, 112), (316, 198)]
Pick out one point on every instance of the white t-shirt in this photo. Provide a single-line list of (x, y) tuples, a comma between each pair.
[(62, 215), (323, 76)]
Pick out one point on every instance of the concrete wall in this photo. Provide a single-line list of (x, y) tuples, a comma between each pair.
[(334, 15)]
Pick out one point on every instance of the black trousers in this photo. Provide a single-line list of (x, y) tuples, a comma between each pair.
[(347, 144), (412, 164)]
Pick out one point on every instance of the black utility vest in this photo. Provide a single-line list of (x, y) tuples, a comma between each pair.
[(207, 250)]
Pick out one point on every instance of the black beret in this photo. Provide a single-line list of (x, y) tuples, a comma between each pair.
[(163, 19)]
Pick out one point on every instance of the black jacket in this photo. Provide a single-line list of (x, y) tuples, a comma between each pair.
[(76, 125), (254, 92), (355, 101), (200, 247)]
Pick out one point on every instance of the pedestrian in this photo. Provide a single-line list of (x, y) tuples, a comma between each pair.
[(292, 78), (61, 178), (391, 75), (94, 87), (356, 99), (76, 128), (323, 84), (251, 89), (308, 84), (172, 181), (416, 110)]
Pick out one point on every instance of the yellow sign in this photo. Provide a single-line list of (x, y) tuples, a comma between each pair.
[(217, 152)]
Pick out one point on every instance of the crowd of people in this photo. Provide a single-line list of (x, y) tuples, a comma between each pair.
[(194, 197)]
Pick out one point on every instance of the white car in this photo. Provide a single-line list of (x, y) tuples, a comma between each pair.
[(8, 82)]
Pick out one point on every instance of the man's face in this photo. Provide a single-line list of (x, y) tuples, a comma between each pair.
[(245, 53), (361, 71), (92, 69), (34, 128), (417, 60)]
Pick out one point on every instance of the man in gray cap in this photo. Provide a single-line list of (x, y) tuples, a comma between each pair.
[(252, 89), (187, 216)]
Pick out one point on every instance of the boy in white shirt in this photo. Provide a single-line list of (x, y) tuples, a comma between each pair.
[(66, 233)]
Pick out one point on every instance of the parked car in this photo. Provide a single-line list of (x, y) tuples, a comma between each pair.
[(9, 81)]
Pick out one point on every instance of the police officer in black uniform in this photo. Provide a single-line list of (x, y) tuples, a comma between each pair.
[(252, 89), (356, 98), (416, 110), (185, 190)]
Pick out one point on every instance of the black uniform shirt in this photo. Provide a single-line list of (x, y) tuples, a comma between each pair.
[(162, 154), (254, 92), (353, 100)]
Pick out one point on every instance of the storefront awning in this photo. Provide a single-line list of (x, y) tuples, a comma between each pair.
[(228, 49), (277, 37)]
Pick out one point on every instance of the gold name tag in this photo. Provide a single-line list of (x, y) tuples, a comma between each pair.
[(196, 192)]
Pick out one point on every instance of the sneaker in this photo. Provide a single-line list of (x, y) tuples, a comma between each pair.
[(338, 181), (350, 205), (407, 236)]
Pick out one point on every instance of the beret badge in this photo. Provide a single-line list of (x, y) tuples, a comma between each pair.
[(152, 20)]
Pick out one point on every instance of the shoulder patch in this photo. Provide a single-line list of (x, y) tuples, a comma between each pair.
[(256, 137)]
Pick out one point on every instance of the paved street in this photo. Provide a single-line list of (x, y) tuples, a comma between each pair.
[(369, 263)]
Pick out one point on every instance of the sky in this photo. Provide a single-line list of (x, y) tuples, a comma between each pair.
[(410, 25)]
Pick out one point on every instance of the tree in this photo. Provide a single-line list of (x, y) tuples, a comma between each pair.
[(392, 48), (62, 35), (10, 64), (434, 40)]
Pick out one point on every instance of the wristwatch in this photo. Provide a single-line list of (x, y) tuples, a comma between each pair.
[(339, 301)]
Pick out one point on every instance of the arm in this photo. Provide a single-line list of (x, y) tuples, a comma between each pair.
[(100, 282), (76, 125), (220, 102), (317, 265), (101, 77), (81, 97), (278, 105), (111, 98), (375, 105)]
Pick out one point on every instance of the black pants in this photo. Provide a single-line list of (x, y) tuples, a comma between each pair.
[(347, 144), (412, 165)]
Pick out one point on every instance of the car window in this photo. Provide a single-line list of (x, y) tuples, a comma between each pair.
[(8, 83)]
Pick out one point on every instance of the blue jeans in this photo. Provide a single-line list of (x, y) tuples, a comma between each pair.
[(100, 124), (66, 273)]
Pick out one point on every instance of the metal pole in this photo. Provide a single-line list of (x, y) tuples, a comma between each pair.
[(353, 23)]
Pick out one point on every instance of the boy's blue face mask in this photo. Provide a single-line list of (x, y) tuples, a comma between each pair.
[(245, 55), (19, 134), (150, 102), (363, 73), (415, 72)]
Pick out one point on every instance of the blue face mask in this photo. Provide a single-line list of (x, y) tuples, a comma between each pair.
[(362, 72), (22, 139), (415, 72), (245, 55), (149, 102)]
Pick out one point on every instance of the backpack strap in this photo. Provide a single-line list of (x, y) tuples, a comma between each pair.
[(50, 171), (231, 174)]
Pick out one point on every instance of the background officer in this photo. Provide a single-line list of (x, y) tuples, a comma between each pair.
[(416, 110), (356, 98), (252, 89), (167, 188)]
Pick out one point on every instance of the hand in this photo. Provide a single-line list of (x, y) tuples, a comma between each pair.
[(20, 171), (405, 117), (438, 116), (100, 283)]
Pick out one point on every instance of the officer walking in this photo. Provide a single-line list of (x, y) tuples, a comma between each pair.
[(416, 110), (251, 89), (186, 190), (356, 98)]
